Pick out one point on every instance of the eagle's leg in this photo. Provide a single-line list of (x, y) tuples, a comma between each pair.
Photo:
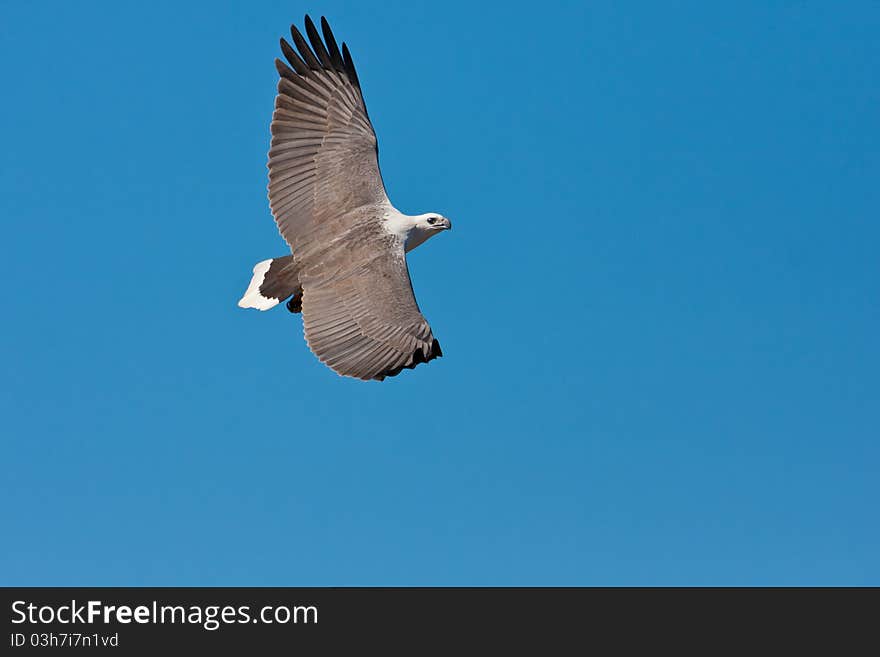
[(295, 303)]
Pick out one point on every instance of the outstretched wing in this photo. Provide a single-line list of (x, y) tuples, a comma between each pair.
[(323, 160), (359, 312)]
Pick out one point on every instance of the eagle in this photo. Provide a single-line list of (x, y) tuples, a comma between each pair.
[(347, 272)]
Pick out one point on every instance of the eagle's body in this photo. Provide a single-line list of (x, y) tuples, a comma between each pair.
[(347, 273)]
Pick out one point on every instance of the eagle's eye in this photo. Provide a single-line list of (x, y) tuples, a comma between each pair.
[(432, 220)]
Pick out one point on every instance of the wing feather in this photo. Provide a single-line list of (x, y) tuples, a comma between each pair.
[(290, 55), (317, 44), (335, 55)]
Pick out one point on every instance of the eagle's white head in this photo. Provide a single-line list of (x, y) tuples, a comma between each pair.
[(416, 229), (425, 226)]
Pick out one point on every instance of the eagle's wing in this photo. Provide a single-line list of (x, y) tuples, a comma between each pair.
[(323, 160), (359, 312), (326, 193)]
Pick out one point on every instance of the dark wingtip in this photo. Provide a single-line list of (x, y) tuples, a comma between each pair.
[(348, 62), (332, 48), (317, 44), (290, 55), (284, 70), (317, 53), (307, 55), (418, 358)]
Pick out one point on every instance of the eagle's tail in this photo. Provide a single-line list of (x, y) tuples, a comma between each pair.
[(273, 281)]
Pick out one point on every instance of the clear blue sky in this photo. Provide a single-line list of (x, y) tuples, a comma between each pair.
[(659, 308)]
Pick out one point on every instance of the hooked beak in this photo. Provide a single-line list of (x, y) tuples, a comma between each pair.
[(447, 224)]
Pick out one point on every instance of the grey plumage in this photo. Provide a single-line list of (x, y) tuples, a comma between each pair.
[(348, 273)]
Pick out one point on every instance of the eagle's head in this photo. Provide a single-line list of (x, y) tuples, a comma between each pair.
[(432, 222), (425, 226)]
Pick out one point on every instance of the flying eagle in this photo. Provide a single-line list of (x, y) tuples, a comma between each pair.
[(347, 270)]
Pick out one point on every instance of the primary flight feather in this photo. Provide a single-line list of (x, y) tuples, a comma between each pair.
[(347, 270)]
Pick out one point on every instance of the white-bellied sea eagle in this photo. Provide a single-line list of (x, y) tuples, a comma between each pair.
[(347, 270)]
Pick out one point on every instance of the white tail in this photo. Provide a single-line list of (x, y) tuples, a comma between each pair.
[(252, 297)]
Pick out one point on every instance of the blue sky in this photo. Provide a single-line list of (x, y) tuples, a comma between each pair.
[(658, 308)]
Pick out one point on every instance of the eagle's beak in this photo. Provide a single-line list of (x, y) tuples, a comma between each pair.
[(447, 224)]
